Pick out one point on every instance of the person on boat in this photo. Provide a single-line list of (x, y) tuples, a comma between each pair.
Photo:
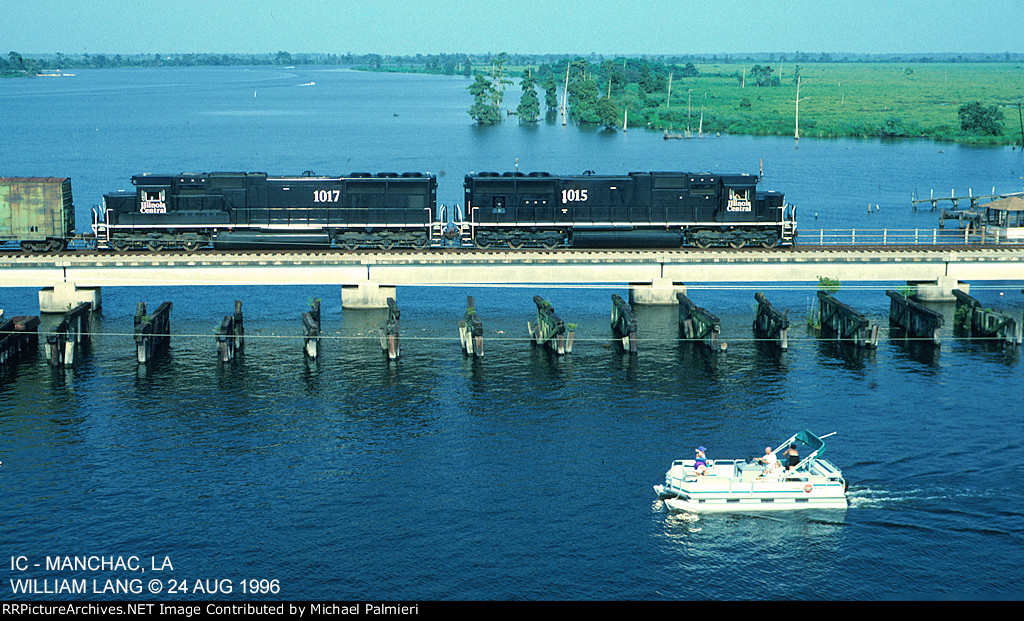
[(700, 463), (770, 461), (792, 458)]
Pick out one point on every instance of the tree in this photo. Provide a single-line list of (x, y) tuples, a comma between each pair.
[(550, 92), (979, 119), (762, 76), (529, 105), (483, 111)]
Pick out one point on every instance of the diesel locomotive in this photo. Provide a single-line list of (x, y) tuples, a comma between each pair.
[(662, 209), (231, 210), (241, 210)]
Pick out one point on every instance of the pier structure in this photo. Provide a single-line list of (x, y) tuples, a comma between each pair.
[(64, 339), (624, 324), (19, 337), (471, 330), (549, 330), (913, 319), (698, 324), (977, 321), (841, 322), (231, 336), (389, 331), (771, 324), (311, 330), (152, 331)]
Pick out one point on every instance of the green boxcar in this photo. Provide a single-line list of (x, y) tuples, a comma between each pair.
[(36, 212)]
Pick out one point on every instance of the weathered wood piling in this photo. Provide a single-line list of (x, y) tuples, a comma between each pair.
[(64, 339), (624, 323), (549, 330), (230, 337), (19, 337), (389, 331), (843, 323), (152, 332), (976, 321), (697, 324), (471, 330), (311, 330), (915, 320), (770, 323)]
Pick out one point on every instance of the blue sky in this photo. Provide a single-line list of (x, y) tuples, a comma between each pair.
[(520, 26)]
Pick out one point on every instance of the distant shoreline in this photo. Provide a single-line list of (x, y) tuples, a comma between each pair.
[(912, 96)]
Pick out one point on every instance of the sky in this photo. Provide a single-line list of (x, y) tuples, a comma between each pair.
[(606, 27)]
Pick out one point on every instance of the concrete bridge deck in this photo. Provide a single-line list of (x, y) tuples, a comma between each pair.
[(658, 268)]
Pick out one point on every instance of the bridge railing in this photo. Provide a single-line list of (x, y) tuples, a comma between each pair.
[(897, 237)]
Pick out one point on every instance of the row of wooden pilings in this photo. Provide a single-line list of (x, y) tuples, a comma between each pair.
[(838, 321)]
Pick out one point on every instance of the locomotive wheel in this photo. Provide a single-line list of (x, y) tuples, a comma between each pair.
[(386, 244), (737, 244), (701, 243), (774, 243), (480, 243), (515, 244), (154, 245), (121, 245), (550, 244), (190, 246)]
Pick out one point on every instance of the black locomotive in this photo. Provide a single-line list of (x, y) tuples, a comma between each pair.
[(663, 209), (233, 210), (386, 210)]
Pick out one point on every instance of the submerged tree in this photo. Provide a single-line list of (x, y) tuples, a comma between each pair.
[(483, 111), (529, 106)]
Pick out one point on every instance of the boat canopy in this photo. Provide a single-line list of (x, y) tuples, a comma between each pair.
[(816, 444)]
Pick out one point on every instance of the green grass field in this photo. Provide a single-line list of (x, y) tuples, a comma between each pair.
[(842, 100)]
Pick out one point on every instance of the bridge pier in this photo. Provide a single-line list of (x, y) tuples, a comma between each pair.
[(662, 291), (940, 290), (366, 295), (64, 296)]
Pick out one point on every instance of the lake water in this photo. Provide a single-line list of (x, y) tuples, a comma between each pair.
[(519, 476)]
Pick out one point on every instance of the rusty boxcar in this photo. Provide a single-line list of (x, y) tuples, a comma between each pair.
[(36, 212)]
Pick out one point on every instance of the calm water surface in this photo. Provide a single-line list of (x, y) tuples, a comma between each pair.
[(521, 475)]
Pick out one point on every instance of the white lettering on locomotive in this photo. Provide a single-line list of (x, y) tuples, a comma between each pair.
[(326, 196), (574, 196), (152, 202)]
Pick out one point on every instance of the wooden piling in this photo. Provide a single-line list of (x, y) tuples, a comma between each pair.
[(63, 340), (916, 321), (230, 336), (769, 323), (471, 330), (624, 323), (698, 324), (843, 323), (549, 330), (976, 321), (152, 332), (19, 338), (311, 330), (389, 331)]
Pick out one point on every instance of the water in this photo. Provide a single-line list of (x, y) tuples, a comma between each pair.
[(520, 476)]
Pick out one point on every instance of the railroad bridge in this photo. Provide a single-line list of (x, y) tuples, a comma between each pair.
[(368, 278)]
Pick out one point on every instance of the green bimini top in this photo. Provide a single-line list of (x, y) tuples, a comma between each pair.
[(811, 440)]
